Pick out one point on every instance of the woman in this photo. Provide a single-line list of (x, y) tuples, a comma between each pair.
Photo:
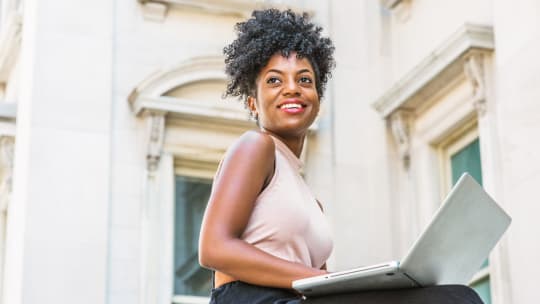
[(263, 228)]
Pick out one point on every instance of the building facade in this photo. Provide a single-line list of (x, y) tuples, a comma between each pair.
[(112, 124)]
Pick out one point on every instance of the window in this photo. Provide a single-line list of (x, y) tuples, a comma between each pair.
[(190, 128), (463, 155), (190, 279)]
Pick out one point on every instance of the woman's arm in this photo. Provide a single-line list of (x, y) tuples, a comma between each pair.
[(245, 169)]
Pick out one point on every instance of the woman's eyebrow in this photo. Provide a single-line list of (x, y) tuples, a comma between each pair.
[(275, 71), (281, 72), (304, 71)]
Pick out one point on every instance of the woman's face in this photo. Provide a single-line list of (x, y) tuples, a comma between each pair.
[(287, 102)]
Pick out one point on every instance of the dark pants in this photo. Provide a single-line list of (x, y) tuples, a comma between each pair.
[(239, 292)]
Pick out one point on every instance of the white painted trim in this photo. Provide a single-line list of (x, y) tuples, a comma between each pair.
[(167, 228), (434, 71), (480, 275), (156, 235), (190, 300), (10, 42), (456, 141), (499, 266)]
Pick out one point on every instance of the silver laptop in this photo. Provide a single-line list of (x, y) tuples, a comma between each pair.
[(449, 251)]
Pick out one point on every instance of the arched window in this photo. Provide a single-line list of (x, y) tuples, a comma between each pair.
[(189, 128)]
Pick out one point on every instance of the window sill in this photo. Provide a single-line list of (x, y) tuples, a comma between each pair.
[(479, 276), (181, 299)]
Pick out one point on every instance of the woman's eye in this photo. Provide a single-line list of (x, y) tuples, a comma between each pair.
[(305, 80), (272, 80)]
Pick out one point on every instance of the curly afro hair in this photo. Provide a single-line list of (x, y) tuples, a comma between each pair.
[(266, 33)]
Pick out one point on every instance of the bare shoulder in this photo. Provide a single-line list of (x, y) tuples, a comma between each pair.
[(252, 151), (254, 143)]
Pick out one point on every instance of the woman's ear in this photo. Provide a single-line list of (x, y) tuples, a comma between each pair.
[(251, 105)]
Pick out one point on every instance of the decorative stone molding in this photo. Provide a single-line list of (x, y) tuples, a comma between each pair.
[(10, 42), (156, 10), (148, 96), (7, 144), (156, 132), (458, 57), (148, 100), (400, 124), (437, 70), (158, 84), (401, 9), (474, 70), (390, 4)]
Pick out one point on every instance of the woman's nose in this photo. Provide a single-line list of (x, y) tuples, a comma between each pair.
[(291, 87)]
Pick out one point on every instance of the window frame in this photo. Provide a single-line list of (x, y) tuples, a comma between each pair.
[(456, 142), (198, 173), (178, 138)]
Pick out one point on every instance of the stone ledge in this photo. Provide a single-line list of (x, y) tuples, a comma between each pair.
[(174, 107), (156, 10), (435, 71)]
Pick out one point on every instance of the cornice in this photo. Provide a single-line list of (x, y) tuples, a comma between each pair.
[(10, 41), (148, 96), (174, 107), (444, 64), (221, 7), (241, 8), (157, 9), (190, 71)]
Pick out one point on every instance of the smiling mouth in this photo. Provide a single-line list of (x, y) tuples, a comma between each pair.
[(291, 106)]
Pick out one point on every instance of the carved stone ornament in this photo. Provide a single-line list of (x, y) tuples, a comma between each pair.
[(156, 125), (474, 70), (401, 9), (154, 11), (7, 144), (400, 126)]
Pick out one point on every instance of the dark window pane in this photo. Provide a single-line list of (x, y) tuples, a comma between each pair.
[(483, 289), (190, 202), (467, 160)]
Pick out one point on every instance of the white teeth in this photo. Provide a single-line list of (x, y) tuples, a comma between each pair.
[(291, 106)]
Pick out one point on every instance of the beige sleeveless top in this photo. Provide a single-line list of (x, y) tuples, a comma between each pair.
[(287, 221)]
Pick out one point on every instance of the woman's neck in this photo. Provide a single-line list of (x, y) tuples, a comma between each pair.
[(294, 143)]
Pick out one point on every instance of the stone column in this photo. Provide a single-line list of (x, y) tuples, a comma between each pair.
[(58, 237), (517, 66)]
